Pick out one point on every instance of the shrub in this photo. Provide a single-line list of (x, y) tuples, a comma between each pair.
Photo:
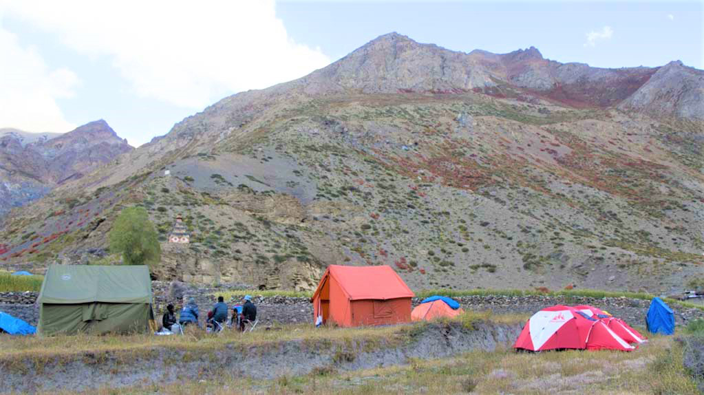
[(10, 283), (696, 327), (133, 236), (696, 284)]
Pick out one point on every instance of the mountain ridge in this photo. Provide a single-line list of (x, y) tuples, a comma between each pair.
[(35, 163), (458, 170)]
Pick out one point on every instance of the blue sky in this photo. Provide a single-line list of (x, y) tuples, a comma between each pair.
[(145, 67)]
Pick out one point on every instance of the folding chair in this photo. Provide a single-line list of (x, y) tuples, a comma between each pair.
[(177, 329), (218, 327), (254, 325)]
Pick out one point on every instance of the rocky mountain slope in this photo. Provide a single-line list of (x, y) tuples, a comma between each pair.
[(31, 164), (459, 170)]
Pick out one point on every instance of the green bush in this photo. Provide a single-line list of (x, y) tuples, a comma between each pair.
[(133, 236)]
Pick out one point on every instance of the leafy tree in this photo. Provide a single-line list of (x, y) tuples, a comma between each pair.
[(133, 236)]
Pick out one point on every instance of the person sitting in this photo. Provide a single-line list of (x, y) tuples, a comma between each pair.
[(189, 314), (249, 313), (236, 314), (219, 311), (169, 318)]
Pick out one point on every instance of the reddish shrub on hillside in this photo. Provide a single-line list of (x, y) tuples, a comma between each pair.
[(569, 287), (383, 253), (422, 271), (374, 215), (543, 290), (401, 264)]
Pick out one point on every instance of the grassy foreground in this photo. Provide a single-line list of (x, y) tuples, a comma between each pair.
[(655, 368), (41, 348)]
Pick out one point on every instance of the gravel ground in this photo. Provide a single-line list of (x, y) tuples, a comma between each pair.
[(287, 310)]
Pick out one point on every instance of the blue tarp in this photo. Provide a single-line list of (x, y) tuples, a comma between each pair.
[(660, 318), (15, 326), (22, 273), (454, 305)]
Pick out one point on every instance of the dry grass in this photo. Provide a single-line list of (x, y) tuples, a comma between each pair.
[(197, 340), (655, 368), (193, 340)]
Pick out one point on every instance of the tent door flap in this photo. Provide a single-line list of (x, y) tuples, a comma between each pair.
[(95, 312)]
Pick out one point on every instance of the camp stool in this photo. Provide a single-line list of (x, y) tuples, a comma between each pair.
[(254, 325), (178, 330), (218, 327)]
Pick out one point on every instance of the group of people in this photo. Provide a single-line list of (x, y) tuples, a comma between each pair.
[(243, 315)]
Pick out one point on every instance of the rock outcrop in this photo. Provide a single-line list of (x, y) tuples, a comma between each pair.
[(33, 164), (675, 90)]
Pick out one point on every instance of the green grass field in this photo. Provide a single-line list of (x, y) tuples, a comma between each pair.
[(10, 283)]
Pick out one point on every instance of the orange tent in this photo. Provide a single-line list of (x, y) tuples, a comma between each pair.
[(366, 295), (432, 310)]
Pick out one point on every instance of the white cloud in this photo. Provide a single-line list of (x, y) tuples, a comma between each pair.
[(29, 89), (670, 17), (592, 37), (182, 52)]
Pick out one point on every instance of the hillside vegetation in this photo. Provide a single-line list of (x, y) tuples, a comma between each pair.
[(502, 171)]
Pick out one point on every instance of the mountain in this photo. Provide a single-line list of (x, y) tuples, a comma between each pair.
[(25, 137), (457, 169), (34, 163)]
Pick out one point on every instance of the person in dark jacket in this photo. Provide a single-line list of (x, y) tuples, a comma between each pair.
[(249, 312), (169, 318), (189, 314), (220, 311)]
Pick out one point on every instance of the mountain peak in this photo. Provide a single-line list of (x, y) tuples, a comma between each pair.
[(531, 53), (94, 127), (388, 40), (393, 36)]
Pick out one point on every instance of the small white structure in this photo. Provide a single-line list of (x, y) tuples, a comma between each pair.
[(167, 173), (179, 234)]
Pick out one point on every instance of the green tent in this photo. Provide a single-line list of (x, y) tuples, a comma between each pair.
[(95, 299)]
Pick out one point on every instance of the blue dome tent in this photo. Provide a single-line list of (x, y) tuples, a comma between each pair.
[(660, 318)]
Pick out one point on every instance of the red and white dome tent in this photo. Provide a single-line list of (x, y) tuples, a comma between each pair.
[(619, 326), (563, 327)]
